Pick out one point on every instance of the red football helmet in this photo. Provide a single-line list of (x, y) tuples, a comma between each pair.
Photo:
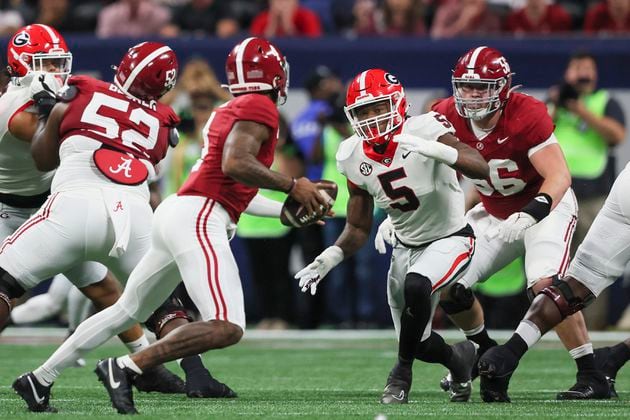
[(147, 71), (369, 88), (256, 65), (38, 47), (481, 82)]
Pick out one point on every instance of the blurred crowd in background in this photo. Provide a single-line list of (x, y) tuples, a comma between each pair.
[(315, 18), (354, 294)]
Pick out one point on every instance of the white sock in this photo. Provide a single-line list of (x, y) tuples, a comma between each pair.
[(126, 362), (137, 345), (529, 332), (45, 376), (90, 334), (475, 330), (581, 351)]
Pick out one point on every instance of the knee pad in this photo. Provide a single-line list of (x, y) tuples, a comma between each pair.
[(9, 287), (561, 294), (169, 310), (417, 289), (461, 299)]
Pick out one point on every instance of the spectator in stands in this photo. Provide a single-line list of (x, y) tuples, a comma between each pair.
[(132, 18), (286, 18), (403, 17), (538, 17), (10, 18), (202, 18), (368, 18), (608, 16), (464, 18), (589, 124)]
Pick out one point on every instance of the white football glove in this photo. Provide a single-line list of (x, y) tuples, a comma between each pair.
[(513, 228), (384, 235), (431, 149), (312, 274), (45, 83)]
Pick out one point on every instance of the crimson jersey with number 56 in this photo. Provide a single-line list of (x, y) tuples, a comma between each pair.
[(421, 195), (523, 128), (102, 112)]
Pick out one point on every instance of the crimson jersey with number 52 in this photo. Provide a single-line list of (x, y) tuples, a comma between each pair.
[(523, 128), (99, 110)]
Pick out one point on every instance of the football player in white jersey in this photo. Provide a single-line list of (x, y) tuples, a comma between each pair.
[(407, 166), (598, 262)]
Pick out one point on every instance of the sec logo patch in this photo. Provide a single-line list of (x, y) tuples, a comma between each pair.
[(365, 168)]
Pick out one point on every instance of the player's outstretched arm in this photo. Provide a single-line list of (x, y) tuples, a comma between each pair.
[(469, 161), (45, 144), (240, 163)]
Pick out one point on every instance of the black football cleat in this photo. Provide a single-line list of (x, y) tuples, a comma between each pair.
[(159, 379), (604, 363), (445, 382), (590, 385), (495, 370), (398, 385), (200, 384), (464, 357), (36, 395), (118, 382)]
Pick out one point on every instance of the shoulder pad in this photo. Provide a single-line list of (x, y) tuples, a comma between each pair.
[(67, 93), (346, 148)]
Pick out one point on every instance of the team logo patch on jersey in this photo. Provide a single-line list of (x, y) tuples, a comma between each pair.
[(479, 146), (387, 161), (120, 167), (365, 168)]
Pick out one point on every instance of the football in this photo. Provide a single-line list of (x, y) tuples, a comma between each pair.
[(295, 215)]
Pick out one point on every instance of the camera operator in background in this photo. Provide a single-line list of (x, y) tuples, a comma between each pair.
[(589, 124)]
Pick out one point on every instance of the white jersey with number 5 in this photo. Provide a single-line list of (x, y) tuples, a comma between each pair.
[(421, 195)]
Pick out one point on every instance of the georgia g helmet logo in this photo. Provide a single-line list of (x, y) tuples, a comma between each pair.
[(391, 79), (23, 38)]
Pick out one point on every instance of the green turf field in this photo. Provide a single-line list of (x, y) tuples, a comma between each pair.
[(313, 379)]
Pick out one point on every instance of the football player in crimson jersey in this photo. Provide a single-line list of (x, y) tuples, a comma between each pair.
[(191, 229), (599, 261), (105, 139), (527, 206), (407, 166)]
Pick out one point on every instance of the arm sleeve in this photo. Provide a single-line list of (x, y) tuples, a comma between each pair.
[(264, 207), (613, 110)]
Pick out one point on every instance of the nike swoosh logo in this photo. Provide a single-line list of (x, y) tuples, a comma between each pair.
[(38, 399), (114, 384), (503, 140), (404, 155), (400, 396)]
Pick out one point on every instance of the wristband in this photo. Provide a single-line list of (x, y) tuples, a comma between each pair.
[(539, 207), (293, 182)]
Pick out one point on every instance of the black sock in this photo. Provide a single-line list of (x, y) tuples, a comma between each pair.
[(517, 345), (415, 316), (434, 350), (191, 363), (620, 354), (483, 339), (586, 362)]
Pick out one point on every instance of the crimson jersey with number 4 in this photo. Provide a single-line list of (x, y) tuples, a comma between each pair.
[(102, 112), (523, 128), (206, 177)]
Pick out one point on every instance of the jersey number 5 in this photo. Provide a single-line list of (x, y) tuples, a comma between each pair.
[(387, 179)]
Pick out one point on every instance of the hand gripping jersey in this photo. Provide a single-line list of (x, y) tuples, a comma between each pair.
[(207, 178), (100, 116), (523, 128), (421, 195), (18, 174)]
